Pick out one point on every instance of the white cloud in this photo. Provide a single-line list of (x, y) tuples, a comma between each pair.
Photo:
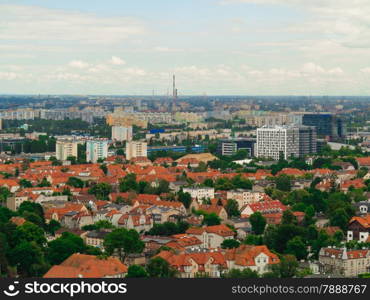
[(33, 23), (79, 64), (8, 76), (117, 61), (366, 70)]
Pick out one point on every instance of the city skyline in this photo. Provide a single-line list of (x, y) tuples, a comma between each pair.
[(226, 47)]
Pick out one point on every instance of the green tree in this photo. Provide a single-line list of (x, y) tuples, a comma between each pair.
[(136, 271), (288, 266), (28, 258), (53, 226), (101, 190), (25, 183), (128, 183), (232, 208), (29, 232), (297, 247), (184, 198), (288, 218), (104, 168), (62, 248), (340, 218), (31, 207), (246, 273), (75, 182), (258, 222), (123, 242), (230, 243), (211, 219), (44, 183), (283, 183), (158, 267), (4, 194)]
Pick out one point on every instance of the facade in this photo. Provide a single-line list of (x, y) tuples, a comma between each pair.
[(121, 133), (278, 142), (88, 266), (244, 197), (286, 141), (359, 229), (136, 149), (200, 193), (232, 146), (307, 140), (65, 149), (343, 262), (327, 125), (255, 258), (96, 149)]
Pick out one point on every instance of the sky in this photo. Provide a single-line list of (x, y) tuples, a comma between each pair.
[(215, 47)]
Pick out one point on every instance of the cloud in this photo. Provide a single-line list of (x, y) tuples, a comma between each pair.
[(79, 64), (117, 61), (33, 23), (8, 76), (365, 70), (344, 21)]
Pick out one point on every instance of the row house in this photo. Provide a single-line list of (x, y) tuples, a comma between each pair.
[(200, 193), (183, 242), (96, 238), (359, 229), (244, 197), (264, 207), (88, 266), (139, 222), (191, 265), (343, 262), (211, 236), (255, 258), (11, 184)]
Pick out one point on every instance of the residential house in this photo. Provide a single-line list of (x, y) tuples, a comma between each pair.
[(191, 265), (200, 193), (212, 236), (88, 266), (244, 197), (343, 262), (359, 229), (255, 258), (264, 207)]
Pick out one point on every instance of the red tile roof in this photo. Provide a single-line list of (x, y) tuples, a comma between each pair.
[(87, 266)]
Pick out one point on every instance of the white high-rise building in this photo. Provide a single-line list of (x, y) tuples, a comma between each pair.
[(278, 142), (121, 133), (65, 149), (136, 149), (96, 149)]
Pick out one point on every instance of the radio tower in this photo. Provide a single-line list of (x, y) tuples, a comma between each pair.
[(174, 92)]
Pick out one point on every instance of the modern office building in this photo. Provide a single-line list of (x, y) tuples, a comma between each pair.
[(327, 125), (288, 141), (307, 140), (136, 149), (179, 149), (65, 149), (96, 149), (121, 133), (231, 146)]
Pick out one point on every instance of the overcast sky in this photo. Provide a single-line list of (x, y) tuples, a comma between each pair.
[(240, 47)]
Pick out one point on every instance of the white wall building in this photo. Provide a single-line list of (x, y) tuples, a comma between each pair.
[(65, 148), (278, 141), (121, 133), (200, 193), (136, 149), (96, 149), (244, 197)]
